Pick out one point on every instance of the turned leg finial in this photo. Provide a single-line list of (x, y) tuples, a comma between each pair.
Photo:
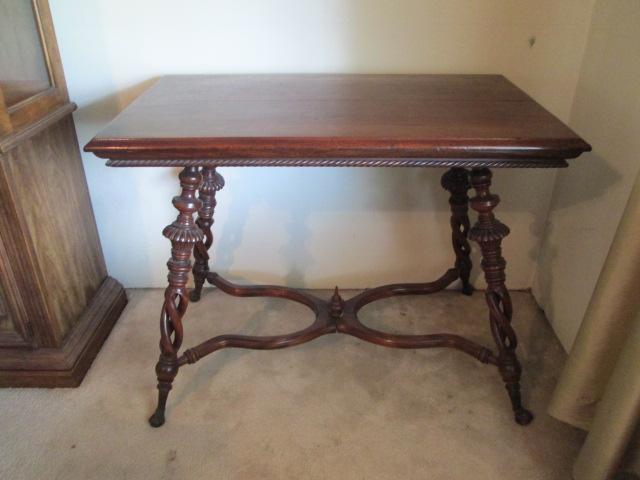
[(184, 234), (489, 232), (336, 305)]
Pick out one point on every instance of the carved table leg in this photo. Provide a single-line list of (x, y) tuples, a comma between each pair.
[(212, 182), (184, 234), (489, 232), (456, 182)]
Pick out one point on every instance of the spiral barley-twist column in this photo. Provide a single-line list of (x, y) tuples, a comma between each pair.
[(489, 232), (212, 182), (184, 234), (456, 182)]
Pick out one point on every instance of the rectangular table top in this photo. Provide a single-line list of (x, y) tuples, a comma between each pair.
[(342, 120)]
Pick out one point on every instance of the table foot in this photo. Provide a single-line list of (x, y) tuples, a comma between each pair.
[(467, 290), (166, 369), (195, 295), (157, 419), (523, 417)]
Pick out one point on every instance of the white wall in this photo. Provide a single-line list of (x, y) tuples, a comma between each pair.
[(588, 201), (314, 227)]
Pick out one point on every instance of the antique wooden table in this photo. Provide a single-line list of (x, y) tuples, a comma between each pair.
[(467, 123)]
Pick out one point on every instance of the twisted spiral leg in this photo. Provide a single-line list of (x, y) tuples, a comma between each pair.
[(456, 182), (184, 234), (489, 232), (212, 182)]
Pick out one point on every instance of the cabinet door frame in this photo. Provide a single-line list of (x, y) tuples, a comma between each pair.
[(45, 107)]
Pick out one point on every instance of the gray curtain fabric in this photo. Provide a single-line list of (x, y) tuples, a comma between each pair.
[(599, 389)]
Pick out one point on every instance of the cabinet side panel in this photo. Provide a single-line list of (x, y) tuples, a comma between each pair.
[(49, 187)]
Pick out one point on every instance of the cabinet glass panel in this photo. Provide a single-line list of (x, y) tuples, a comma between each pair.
[(23, 66)]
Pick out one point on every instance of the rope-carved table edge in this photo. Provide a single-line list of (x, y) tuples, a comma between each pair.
[(200, 181)]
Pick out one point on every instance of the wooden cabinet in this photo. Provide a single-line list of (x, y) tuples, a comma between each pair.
[(57, 304), (7, 322)]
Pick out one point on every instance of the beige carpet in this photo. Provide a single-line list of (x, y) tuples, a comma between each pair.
[(335, 408)]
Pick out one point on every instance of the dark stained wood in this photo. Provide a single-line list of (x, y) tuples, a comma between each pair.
[(60, 304), (322, 325), (356, 120), (212, 182), (350, 324), (184, 235), (459, 121), (456, 181), (336, 314), (489, 232)]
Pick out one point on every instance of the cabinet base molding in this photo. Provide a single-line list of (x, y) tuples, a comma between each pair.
[(66, 366)]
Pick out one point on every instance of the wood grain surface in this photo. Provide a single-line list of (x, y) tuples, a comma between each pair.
[(58, 304), (47, 181), (266, 117)]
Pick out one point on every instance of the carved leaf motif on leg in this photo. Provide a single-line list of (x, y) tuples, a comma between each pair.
[(212, 182)]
